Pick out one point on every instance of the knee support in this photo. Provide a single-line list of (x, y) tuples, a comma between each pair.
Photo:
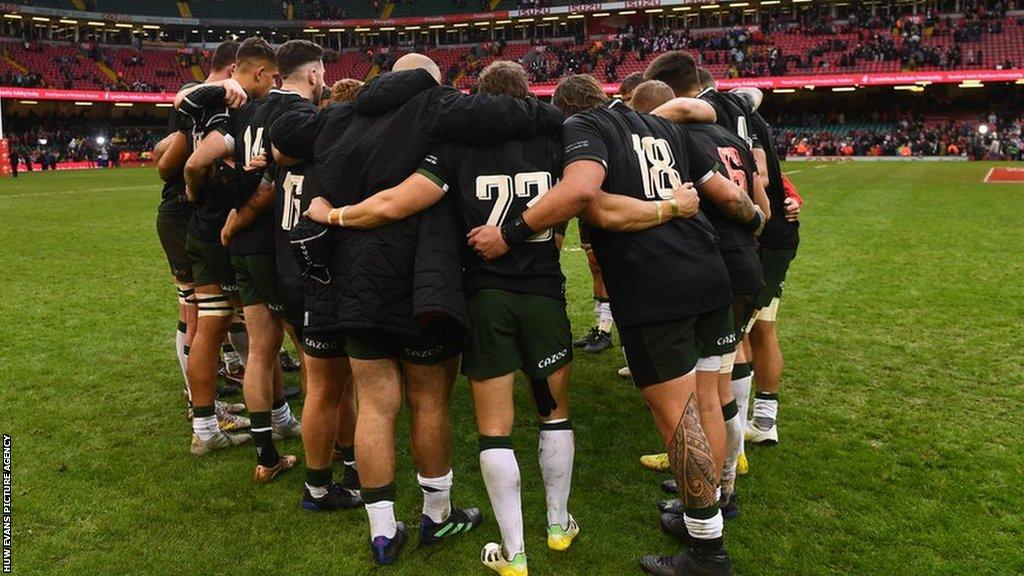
[(728, 361)]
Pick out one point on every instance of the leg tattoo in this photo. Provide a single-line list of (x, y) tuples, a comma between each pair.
[(692, 463)]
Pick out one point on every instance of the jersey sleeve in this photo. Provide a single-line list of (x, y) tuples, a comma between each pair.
[(202, 102), (295, 131), (437, 168), (700, 164), (582, 140), (486, 118)]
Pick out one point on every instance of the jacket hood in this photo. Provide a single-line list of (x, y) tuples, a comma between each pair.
[(391, 90)]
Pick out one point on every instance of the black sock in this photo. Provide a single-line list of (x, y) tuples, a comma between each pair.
[(319, 477), (263, 436)]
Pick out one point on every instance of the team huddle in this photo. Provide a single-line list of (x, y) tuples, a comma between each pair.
[(401, 232)]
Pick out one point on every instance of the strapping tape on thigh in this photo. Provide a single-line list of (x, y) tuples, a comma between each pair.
[(214, 305), (709, 364)]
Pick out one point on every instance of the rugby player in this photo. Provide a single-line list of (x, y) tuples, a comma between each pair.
[(739, 251), (173, 215), (215, 288), (249, 231), (329, 409), (516, 309), (778, 245), (681, 272), (392, 295), (599, 338)]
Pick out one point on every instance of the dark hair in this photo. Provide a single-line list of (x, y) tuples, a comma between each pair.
[(578, 93), (293, 54), (224, 55), (630, 82), (705, 78), (677, 68), (504, 77), (650, 95), (253, 50)]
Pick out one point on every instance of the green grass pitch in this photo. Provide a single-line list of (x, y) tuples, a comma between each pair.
[(900, 412)]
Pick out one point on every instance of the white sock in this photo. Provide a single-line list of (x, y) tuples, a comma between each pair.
[(733, 443), (741, 390), (281, 416), (501, 478), (765, 412), (205, 427), (605, 320), (382, 519), (239, 341), (317, 491), (437, 496), (597, 312), (179, 348), (556, 452), (704, 529)]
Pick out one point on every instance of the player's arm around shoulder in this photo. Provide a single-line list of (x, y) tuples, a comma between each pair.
[(213, 147), (684, 110)]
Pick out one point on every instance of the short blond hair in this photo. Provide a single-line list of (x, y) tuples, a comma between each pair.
[(651, 94)]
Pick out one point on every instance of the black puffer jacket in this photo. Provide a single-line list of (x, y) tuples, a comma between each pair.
[(389, 278)]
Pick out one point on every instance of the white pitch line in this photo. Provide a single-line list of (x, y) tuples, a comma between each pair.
[(793, 172), (115, 189), (820, 167), (988, 175)]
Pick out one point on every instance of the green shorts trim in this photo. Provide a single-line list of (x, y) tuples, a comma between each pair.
[(442, 339), (663, 351), (171, 228), (512, 331), (775, 264), (211, 264), (257, 281)]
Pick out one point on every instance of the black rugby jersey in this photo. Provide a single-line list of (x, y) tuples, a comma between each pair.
[(670, 271), (494, 184)]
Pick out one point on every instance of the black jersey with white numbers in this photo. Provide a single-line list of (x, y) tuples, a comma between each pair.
[(250, 128), (491, 185), (732, 111), (736, 162), (670, 271)]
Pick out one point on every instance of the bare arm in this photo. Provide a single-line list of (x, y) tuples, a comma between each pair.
[(618, 213), (171, 159), (199, 165), (260, 201), (761, 162), (733, 202), (161, 147), (686, 111), (415, 194), (761, 198)]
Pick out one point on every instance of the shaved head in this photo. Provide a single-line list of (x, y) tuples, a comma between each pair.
[(414, 61)]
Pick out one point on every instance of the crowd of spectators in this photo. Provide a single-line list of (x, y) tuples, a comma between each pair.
[(992, 137), (47, 141)]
